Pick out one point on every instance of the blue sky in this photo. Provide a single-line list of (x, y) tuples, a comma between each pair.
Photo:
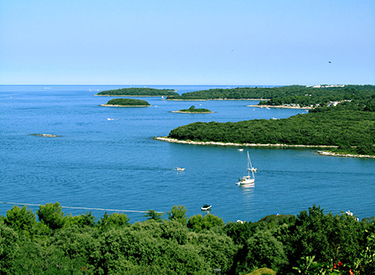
[(161, 42)]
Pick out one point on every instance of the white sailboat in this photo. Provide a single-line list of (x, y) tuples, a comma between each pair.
[(248, 180)]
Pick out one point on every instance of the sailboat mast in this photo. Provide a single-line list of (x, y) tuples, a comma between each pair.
[(250, 165)]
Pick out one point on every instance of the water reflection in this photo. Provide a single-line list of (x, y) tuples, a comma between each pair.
[(247, 190)]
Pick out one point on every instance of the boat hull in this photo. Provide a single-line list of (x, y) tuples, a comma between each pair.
[(246, 183), (206, 207)]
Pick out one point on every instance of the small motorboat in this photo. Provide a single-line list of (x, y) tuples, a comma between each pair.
[(180, 169), (206, 207)]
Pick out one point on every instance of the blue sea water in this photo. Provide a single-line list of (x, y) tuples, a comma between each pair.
[(116, 164)]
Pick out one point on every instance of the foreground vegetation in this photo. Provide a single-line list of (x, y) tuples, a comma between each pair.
[(313, 242), (139, 92), (127, 102)]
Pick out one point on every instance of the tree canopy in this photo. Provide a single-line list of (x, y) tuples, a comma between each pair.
[(127, 102), (139, 92), (192, 109), (346, 129), (295, 94), (313, 242)]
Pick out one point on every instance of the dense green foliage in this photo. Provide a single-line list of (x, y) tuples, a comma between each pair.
[(310, 243), (343, 117), (139, 92), (313, 97), (343, 128), (298, 95), (128, 102), (192, 109)]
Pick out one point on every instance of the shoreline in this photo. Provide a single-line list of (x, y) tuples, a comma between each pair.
[(323, 153), (127, 106), (208, 99), (279, 107), (332, 154), (135, 95), (173, 140)]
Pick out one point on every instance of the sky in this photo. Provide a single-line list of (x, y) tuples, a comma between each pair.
[(187, 42)]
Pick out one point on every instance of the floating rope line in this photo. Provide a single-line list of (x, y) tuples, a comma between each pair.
[(81, 208)]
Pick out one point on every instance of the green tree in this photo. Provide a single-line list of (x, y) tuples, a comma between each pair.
[(326, 237), (264, 250), (52, 215), (153, 215), (10, 247), (198, 223), (217, 249), (87, 219), (80, 244), (113, 220), (178, 213), (24, 221), (174, 230)]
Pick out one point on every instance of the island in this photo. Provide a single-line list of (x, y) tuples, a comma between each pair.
[(347, 128), (193, 110), (138, 92), (126, 102), (294, 96)]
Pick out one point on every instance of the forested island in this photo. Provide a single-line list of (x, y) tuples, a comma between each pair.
[(295, 95), (126, 102), (138, 92), (349, 126), (193, 110), (313, 242)]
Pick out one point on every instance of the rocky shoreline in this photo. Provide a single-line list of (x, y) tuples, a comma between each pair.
[(323, 153), (173, 140), (279, 107)]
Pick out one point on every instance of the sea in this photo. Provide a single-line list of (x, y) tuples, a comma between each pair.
[(105, 159)]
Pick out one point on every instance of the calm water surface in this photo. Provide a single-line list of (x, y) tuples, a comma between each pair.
[(116, 164)]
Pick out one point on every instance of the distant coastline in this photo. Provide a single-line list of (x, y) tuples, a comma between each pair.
[(280, 107), (134, 95), (208, 99)]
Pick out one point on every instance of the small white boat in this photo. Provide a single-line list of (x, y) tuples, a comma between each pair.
[(249, 179), (206, 207), (240, 150), (180, 169)]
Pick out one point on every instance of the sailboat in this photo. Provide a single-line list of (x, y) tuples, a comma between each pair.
[(248, 180)]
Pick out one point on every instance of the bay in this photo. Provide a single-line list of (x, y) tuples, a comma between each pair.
[(107, 158)]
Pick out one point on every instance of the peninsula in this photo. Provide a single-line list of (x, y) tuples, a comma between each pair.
[(126, 102), (295, 96), (193, 110), (339, 117), (346, 131), (139, 92)]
